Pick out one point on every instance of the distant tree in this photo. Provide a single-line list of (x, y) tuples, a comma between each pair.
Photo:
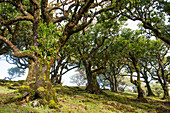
[(15, 72), (124, 82), (157, 90), (103, 82), (62, 65), (159, 66), (132, 52), (113, 73), (78, 78), (89, 47)]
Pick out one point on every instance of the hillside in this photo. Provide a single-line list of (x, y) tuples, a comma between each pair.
[(77, 100)]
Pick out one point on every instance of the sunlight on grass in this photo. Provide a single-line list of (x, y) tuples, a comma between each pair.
[(77, 100)]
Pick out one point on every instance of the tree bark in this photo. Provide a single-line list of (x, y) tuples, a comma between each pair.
[(38, 83), (112, 87), (140, 91), (138, 85), (59, 80), (116, 86), (137, 82), (150, 92), (163, 81), (164, 85), (92, 85)]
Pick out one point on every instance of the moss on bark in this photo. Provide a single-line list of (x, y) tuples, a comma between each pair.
[(38, 85), (93, 86)]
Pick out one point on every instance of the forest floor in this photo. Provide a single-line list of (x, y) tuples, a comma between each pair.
[(77, 100)]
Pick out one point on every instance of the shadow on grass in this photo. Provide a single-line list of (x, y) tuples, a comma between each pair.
[(121, 97), (121, 101), (131, 99)]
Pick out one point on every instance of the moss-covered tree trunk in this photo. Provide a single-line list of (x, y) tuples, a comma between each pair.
[(165, 88), (150, 92), (140, 91), (162, 80), (112, 86), (164, 84), (92, 85), (138, 85), (116, 83), (137, 82), (113, 79), (38, 83)]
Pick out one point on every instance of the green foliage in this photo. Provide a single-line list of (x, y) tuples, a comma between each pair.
[(49, 38), (6, 9), (152, 15)]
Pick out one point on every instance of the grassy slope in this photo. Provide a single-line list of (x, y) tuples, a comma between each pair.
[(76, 100)]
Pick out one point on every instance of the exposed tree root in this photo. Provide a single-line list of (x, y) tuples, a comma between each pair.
[(17, 98), (41, 96), (142, 100), (93, 90)]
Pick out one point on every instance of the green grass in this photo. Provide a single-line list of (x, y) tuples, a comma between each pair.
[(77, 100)]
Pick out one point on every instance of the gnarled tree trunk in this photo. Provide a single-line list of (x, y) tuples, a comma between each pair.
[(164, 85), (165, 88), (137, 82), (116, 83), (162, 80), (38, 83), (92, 85), (150, 92), (112, 86), (139, 89)]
